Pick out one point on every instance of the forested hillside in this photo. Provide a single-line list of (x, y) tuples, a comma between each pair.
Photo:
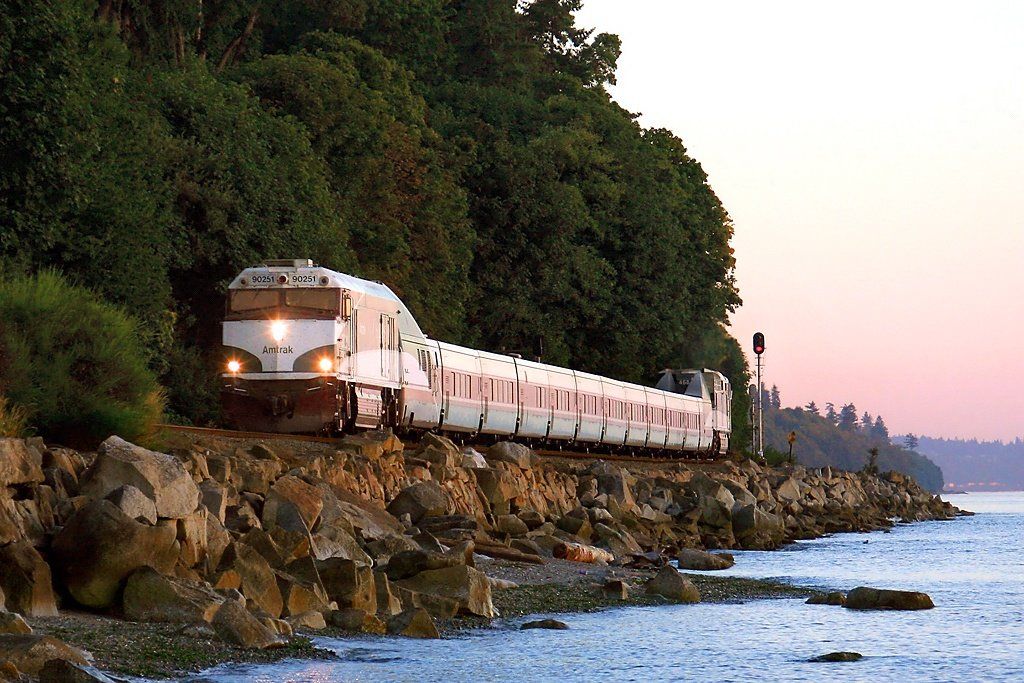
[(465, 152), (842, 439)]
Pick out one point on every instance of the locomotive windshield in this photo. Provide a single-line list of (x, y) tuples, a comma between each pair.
[(247, 304)]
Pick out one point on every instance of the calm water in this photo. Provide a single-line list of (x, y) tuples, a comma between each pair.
[(972, 567)]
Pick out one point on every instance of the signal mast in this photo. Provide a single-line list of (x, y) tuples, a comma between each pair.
[(758, 350)]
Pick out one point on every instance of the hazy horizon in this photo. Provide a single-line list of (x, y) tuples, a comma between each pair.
[(869, 156)]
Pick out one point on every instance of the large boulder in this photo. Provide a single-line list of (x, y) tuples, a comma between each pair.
[(349, 584), (358, 621), (413, 623), (29, 653), (235, 625), (256, 578), (756, 529), (21, 462), (420, 500), (467, 585), (101, 546), (670, 584), (162, 478), (864, 597), (151, 597), (691, 558), (292, 504), (301, 596), (25, 581), (134, 503), (408, 563), (513, 453)]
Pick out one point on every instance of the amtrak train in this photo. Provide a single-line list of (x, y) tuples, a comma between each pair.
[(311, 350)]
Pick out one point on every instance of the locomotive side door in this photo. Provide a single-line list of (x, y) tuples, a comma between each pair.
[(389, 360)]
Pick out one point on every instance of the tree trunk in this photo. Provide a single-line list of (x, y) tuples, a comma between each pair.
[(236, 44)]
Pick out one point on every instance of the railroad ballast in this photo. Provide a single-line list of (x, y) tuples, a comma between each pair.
[(308, 349)]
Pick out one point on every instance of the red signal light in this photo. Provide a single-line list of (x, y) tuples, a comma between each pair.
[(758, 343)]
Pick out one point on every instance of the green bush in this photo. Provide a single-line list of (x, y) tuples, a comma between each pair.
[(72, 364)]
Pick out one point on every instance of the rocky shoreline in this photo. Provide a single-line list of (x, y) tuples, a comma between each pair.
[(212, 549)]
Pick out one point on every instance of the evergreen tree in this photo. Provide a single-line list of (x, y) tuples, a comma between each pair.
[(812, 407), (879, 431), (830, 413), (776, 398), (866, 422), (848, 417), (910, 442)]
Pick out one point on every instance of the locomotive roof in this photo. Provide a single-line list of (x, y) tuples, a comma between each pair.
[(406, 322)]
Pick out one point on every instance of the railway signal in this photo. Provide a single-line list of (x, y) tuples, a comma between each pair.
[(758, 350)]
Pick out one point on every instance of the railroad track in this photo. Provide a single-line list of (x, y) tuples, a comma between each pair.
[(543, 452)]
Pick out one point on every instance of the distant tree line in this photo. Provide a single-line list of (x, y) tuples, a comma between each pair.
[(465, 152), (842, 439)]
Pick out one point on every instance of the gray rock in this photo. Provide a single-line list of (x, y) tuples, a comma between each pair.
[(838, 657), (420, 500), (834, 598), (25, 581), (864, 597), (161, 477), (670, 584), (691, 558), (513, 453), (551, 624), (134, 503), (235, 625)]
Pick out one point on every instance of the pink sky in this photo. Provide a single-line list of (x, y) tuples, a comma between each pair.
[(871, 155)]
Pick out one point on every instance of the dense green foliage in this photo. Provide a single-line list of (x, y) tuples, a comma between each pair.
[(71, 366), (466, 152), (823, 441)]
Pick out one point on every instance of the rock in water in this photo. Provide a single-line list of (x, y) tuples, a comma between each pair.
[(551, 624), (100, 546), (30, 652), (25, 581), (833, 598), (878, 598), (161, 477), (357, 620), (414, 623), (838, 657), (670, 584), (691, 558)]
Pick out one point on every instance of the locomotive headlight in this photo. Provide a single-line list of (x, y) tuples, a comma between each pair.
[(326, 364), (234, 366), (277, 330)]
